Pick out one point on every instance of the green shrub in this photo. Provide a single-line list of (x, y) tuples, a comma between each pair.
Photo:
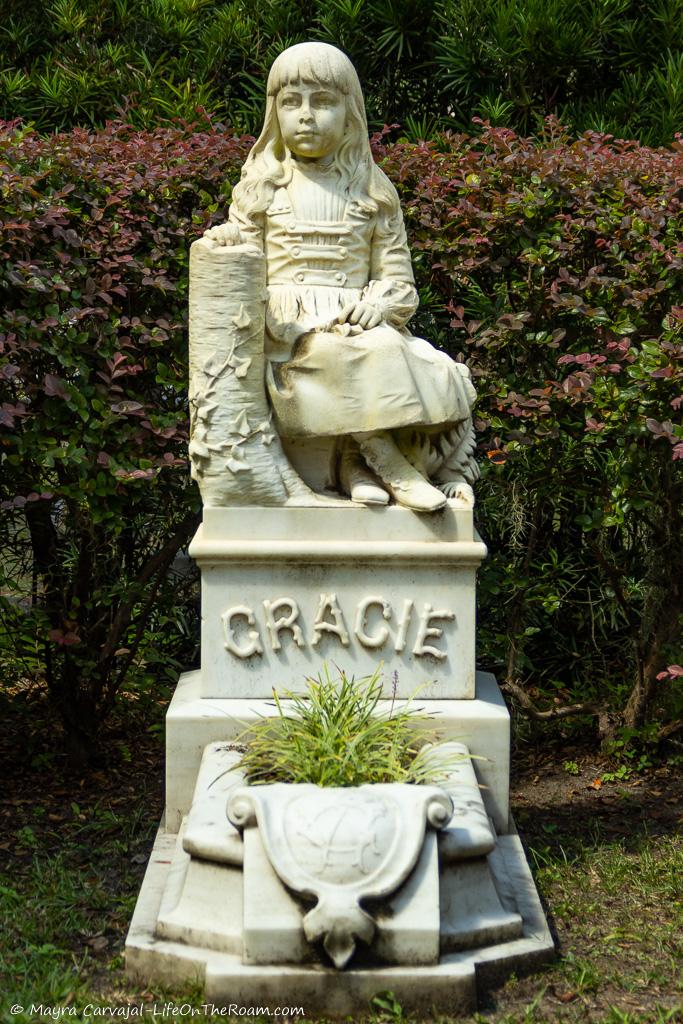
[(560, 265), (96, 495), (610, 65)]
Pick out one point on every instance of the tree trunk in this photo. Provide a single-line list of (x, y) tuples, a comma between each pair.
[(650, 659)]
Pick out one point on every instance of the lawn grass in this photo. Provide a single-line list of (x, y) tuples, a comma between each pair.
[(619, 913)]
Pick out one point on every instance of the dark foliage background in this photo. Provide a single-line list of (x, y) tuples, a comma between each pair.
[(609, 65), (553, 267)]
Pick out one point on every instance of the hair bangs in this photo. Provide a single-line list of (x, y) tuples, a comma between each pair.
[(312, 64)]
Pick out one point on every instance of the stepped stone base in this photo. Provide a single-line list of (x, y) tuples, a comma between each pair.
[(447, 987), (191, 925)]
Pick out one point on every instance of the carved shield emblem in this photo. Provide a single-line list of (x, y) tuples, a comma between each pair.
[(339, 846)]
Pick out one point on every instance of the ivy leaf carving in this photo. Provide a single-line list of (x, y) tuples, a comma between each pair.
[(198, 450), (212, 366), (242, 319), (266, 431), (237, 463), (240, 425), (240, 366)]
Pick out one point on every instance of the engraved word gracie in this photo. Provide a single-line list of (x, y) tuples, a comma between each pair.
[(244, 639)]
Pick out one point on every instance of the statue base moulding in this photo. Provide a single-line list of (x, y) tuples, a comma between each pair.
[(285, 590)]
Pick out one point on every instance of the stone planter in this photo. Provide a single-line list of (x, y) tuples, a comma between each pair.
[(339, 847), (327, 896)]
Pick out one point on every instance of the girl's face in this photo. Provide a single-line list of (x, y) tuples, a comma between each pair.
[(312, 118)]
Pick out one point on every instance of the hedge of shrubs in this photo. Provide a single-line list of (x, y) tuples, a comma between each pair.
[(553, 268)]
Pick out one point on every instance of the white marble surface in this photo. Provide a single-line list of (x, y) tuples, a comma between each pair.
[(471, 910), (202, 903), (208, 834), (469, 832), (337, 846), (345, 847), (273, 929), (407, 930), (299, 307), (340, 523), (230, 419), (449, 987)]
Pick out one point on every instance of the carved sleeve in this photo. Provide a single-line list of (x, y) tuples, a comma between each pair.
[(391, 287), (251, 228)]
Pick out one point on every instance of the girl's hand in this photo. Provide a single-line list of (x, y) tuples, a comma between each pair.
[(361, 313), (225, 234)]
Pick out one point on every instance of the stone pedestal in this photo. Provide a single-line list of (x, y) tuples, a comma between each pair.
[(518, 940), (284, 591), (193, 721)]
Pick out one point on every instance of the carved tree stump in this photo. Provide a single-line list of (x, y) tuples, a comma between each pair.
[(235, 453)]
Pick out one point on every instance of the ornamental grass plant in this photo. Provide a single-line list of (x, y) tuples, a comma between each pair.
[(335, 734)]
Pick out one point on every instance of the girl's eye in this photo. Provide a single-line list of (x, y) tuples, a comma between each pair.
[(289, 101)]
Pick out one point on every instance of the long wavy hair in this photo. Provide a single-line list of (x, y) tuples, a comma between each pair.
[(269, 164)]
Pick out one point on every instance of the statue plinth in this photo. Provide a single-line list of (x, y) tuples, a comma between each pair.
[(287, 589)]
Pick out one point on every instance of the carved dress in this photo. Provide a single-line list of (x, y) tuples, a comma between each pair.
[(324, 251)]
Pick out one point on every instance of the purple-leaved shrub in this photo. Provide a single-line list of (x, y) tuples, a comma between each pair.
[(553, 267)]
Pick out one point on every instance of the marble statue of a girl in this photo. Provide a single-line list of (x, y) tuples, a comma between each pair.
[(339, 360)]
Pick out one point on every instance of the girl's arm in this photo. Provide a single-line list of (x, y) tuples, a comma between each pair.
[(391, 288), (251, 229)]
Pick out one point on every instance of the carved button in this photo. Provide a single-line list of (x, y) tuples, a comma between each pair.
[(296, 250), (291, 226), (300, 278), (340, 277)]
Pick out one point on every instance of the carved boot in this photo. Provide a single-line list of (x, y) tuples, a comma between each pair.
[(402, 480), (356, 480)]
